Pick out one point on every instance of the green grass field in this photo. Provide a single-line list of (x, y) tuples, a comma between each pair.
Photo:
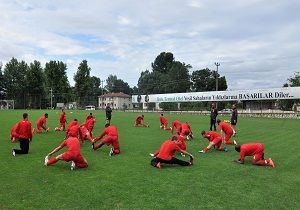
[(127, 181)]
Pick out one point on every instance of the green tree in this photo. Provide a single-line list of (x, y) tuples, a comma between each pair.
[(113, 84), (205, 80), (2, 84), (56, 79), (179, 78), (35, 84), (293, 81), (15, 79), (163, 62), (83, 85)]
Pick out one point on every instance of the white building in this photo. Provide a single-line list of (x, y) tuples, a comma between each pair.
[(115, 100)]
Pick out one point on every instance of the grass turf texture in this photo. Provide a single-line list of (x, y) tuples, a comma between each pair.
[(127, 181)]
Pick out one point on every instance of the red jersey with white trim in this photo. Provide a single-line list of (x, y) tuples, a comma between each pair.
[(250, 149), (110, 131), (23, 129), (42, 121), (211, 135), (73, 145), (225, 127), (167, 149)]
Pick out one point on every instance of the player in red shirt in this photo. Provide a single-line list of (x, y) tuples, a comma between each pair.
[(85, 134), (166, 154), (215, 140), (163, 122), (176, 124), (41, 124), (112, 138), (72, 154), (62, 121), (24, 134), (226, 129), (140, 121), (13, 134), (186, 130), (89, 124), (90, 116), (256, 150)]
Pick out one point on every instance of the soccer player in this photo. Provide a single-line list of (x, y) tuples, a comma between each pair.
[(41, 124), (233, 120), (85, 134), (140, 121), (176, 124), (256, 150), (163, 122), (186, 130), (226, 130), (73, 129), (24, 134), (215, 140), (89, 116), (108, 112), (62, 121), (112, 138), (72, 154), (166, 154), (89, 124), (213, 116)]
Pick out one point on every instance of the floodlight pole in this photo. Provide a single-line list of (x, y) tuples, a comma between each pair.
[(217, 64), (51, 95)]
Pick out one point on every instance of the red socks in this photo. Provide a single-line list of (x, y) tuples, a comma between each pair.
[(52, 161)]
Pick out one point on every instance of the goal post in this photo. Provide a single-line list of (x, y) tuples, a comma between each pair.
[(7, 104)]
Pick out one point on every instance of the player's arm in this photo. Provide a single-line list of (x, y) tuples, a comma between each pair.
[(100, 136), (55, 150), (242, 158)]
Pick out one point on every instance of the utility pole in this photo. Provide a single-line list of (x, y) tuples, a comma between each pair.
[(51, 95), (217, 82), (102, 86)]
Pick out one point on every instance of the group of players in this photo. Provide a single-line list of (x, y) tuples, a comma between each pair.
[(227, 129), (22, 132)]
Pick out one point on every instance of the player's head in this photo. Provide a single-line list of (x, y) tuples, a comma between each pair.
[(106, 125), (142, 115), (174, 138), (218, 121), (233, 106), (212, 105), (203, 133), (237, 148), (161, 114), (91, 113), (25, 115), (46, 115), (75, 120)]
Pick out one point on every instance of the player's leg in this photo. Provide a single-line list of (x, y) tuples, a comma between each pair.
[(155, 162), (80, 161), (227, 138), (179, 162), (24, 147), (52, 161)]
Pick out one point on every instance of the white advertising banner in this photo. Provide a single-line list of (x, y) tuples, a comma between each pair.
[(238, 95)]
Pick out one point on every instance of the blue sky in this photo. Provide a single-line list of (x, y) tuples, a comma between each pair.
[(256, 41)]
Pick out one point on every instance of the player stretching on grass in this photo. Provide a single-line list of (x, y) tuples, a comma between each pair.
[(163, 122), (166, 154), (215, 140), (24, 134), (41, 124), (72, 154), (112, 138), (186, 130), (256, 150), (226, 130), (176, 124), (62, 121), (140, 121)]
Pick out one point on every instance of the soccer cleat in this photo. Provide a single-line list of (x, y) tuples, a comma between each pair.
[(187, 137), (46, 160), (111, 152), (47, 130), (93, 146), (271, 163), (225, 149), (183, 155), (73, 165), (234, 141), (151, 154), (201, 151), (13, 152)]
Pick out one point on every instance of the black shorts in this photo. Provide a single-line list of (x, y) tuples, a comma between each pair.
[(233, 122)]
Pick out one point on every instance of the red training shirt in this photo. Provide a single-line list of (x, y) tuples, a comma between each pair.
[(250, 149), (225, 127), (73, 145), (110, 131), (211, 135), (23, 129), (167, 150)]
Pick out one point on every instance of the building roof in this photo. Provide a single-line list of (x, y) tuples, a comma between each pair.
[(120, 95)]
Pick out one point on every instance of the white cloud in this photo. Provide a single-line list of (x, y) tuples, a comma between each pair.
[(254, 41)]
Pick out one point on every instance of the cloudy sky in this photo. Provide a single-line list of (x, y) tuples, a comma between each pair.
[(256, 42)]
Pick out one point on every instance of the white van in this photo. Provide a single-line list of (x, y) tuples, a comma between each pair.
[(90, 108)]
